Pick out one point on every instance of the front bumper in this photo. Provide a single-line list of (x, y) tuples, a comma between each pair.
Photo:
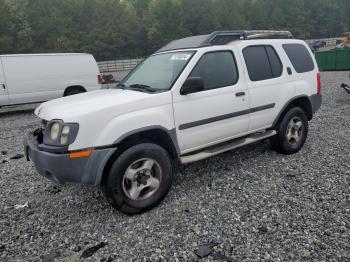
[(59, 168)]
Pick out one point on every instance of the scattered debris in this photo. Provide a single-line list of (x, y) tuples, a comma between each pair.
[(263, 229), (4, 161), (22, 206), (30, 212), (92, 250), (18, 156), (306, 253), (77, 249), (4, 152), (2, 248), (54, 189), (205, 250)]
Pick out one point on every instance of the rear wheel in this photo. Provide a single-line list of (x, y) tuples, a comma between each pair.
[(292, 130), (73, 91), (139, 178)]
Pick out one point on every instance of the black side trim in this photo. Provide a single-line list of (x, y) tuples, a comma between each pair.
[(261, 108), (223, 117), (171, 133)]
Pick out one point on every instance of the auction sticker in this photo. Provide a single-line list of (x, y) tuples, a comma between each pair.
[(182, 57)]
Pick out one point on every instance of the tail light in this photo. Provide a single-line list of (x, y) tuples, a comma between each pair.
[(99, 79), (318, 83)]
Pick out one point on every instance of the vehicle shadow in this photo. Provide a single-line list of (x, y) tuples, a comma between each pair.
[(240, 164), (226, 162), (187, 178)]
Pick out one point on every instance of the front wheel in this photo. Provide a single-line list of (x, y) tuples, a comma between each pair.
[(139, 178), (292, 130)]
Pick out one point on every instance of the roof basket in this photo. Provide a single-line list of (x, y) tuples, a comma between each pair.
[(224, 38)]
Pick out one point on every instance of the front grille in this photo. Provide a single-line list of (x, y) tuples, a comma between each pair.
[(44, 124), (39, 135)]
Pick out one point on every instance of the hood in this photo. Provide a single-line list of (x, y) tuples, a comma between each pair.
[(68, 108)]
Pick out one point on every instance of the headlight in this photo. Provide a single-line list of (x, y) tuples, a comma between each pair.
[(58, 133), (55, 130)]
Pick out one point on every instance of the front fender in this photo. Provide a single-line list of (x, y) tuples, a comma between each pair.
[(127, 124)]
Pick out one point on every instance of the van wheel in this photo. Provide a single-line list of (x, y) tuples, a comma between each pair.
[(139, 178), (292, 132), (73, 91)]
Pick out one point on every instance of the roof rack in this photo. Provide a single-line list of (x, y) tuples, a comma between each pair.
[(224, 38)]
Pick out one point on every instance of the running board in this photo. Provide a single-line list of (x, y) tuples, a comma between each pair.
[(216, 150)]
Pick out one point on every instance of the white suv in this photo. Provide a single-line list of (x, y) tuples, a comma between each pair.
[(194, 98)]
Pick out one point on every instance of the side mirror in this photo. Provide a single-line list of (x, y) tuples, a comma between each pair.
[(192, 85)]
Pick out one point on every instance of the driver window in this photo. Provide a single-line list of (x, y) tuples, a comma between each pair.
[(217, 69)]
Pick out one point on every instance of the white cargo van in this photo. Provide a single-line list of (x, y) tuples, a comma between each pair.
[(42, 77)]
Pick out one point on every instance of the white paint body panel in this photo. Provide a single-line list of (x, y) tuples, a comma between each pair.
[(42, 77), (107, 115), (4, 96)]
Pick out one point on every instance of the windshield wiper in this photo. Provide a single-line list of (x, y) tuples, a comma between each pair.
[(121, 86), (142, 88)]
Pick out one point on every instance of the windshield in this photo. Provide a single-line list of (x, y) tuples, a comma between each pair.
[(158, 71)]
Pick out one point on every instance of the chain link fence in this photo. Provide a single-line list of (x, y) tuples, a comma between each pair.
[(118, 65)]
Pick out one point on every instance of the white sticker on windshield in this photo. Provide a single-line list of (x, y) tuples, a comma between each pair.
[(183, 57)]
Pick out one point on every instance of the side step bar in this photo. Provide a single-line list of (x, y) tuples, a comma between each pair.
[(216, 150)]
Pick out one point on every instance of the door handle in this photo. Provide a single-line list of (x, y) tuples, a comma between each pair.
[(240, 94)]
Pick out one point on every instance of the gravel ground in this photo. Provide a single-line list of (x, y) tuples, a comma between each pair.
[(248, 204)]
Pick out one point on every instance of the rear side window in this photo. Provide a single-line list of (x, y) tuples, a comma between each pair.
[(217, 69), (262, 62), (299, 57)]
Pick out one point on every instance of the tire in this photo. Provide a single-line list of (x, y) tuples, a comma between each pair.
[(74, 91), (131, 185), (292, 130)]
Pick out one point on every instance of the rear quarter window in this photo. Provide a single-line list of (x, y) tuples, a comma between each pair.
[(300, 57)]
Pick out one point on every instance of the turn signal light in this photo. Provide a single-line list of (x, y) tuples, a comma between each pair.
[(80, 154)]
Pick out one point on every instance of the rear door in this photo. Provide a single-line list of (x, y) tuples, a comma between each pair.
[(4, 96), (269, 83)]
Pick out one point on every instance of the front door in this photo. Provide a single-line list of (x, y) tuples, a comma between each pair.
[(4, 96), (219, 112)]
